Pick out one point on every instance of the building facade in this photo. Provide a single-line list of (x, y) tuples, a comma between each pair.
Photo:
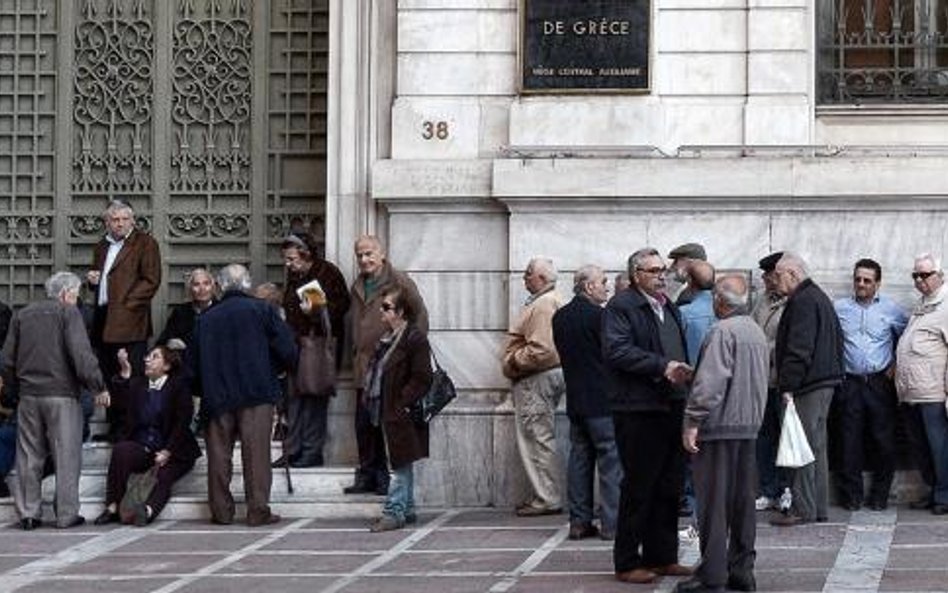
[(814, 125)]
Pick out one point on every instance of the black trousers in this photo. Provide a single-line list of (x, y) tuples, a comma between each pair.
[(107, 353), (373, 461), (868, 412), (652, 458), (130, 457), (725, 475)]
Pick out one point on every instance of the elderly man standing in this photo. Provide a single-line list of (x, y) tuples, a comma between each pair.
[(307, 412), (809, 354), (723, 415), (920, 376), (577, 333), (681, 259), (125, 274), (697, 316), (376, 274), (644, 349), (867, 403), (239, 346), (47, 352), (531, 362)]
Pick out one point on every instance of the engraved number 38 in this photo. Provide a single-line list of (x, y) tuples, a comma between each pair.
[(437, 130)]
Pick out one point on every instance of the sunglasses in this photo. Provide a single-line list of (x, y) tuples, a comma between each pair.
[(387, 307), (922, 275)]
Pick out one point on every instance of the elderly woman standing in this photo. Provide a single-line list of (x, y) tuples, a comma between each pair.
[(158, 433), (399, 375)]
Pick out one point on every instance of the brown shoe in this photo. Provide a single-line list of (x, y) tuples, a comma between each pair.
[(532, 511), (672, 570), (269, 519), (638, 576), (582, 531)]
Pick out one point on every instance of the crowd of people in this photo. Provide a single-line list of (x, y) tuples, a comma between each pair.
[(677, 396), (234, 348)]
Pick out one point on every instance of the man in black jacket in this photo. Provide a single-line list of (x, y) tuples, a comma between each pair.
[(809, 354), (577, 333), (644, 350)]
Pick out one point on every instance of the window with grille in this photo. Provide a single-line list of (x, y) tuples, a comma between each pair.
[(882, 51)]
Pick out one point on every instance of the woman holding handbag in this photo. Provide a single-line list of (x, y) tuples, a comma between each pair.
[(158, 435), (397, 377)]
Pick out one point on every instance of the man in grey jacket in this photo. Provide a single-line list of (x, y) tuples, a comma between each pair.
[(724, 412), (47, 352)]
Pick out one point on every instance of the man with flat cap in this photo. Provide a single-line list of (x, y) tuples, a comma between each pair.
[(767, 314), (682, 257)]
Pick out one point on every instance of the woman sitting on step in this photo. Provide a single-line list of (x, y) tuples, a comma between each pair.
[(158, 434)]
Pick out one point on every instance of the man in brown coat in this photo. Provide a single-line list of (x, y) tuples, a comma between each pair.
[(125, 274), (375, 275)]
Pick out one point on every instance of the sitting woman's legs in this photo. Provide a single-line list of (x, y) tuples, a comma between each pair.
[(168, 474), (128, 457)]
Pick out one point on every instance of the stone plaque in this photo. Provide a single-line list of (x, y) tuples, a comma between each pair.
[(584, 46)]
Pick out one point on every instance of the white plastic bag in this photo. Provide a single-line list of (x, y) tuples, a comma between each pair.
[(794, 450)]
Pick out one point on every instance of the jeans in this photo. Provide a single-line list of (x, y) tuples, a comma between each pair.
[(400, 502), (593, 440), (935, 420)]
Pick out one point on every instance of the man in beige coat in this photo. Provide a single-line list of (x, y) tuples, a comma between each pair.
[(375, 275), (531, 362)]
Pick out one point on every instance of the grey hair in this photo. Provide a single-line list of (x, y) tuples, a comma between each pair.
[(544, 267), (191, 275), (927, 256), (234, 277), (732, 290), (583, 275), (117, 206), (796, 263), (637, 258), (60, 282)]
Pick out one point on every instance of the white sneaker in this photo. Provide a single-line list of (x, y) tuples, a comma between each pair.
[(764, 503)]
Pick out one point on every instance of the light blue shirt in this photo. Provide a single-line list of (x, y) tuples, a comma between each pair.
[(697, 317), (870, 333)]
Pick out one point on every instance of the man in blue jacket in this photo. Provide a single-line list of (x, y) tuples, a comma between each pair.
[(239, 346), (577, 333), (644, 349)]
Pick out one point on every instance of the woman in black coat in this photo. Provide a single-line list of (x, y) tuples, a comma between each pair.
[(398, 376), (158, 433)]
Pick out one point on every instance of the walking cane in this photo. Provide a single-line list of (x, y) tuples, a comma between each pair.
[(285, 421)]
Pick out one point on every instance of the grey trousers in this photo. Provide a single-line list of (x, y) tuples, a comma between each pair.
[(48, 426), (535, 399), (725, 479), (810, 483), (592, 441), (252, 426)]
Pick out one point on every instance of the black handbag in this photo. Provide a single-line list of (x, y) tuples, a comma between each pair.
[(315, 374), (439, 394)]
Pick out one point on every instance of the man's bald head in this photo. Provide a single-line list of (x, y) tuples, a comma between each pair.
[(701, 274)]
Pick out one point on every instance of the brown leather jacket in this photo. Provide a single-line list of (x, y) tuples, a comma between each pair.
[(133, 280)]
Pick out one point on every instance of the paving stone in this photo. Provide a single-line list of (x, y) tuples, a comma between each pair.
[(915, 580), (157, 563), (902, 557), (355, 541), (295, 564), (96, 585), (255, 584), (397, 584), (17, 541), (791, 580), (569, 561), (796, 557), (204, 541), (920, 533), (453, 539), (818, 535), (584, 583), (11, 562), (454, 562)]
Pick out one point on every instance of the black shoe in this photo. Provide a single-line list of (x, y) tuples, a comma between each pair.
[(742, 583), (940, 509), (852, 505), (4, 489), (359, 487), (877, 505), (74, 522), (923, 504), (29, 524), (381, 489), (309, 462), (282, 460), (103, 438), (582, 531), (107, 517), (696, 586)]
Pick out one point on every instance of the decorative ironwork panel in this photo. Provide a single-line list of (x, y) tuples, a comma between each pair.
[(883, 51), (298, 79), (28, 34)]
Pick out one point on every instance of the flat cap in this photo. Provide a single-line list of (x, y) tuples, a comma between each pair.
[(769, 262), (692, 250)]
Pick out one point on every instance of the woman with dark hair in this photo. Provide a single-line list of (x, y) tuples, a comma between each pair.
[(157, 433), (398, 375)]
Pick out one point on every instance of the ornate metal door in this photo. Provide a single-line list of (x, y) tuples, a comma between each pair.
[(207, 115)]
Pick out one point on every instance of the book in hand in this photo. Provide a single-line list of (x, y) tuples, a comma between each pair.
[(313, 292)]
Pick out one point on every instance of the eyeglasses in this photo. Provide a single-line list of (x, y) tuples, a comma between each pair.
[(387, 307), (655, 270), (923, 275)]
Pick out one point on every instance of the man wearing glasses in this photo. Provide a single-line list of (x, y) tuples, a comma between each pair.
[(644, 349), (809, 353), (866, 403), (922, 362)]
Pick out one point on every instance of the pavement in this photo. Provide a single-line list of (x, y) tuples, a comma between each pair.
[(457, 550)]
